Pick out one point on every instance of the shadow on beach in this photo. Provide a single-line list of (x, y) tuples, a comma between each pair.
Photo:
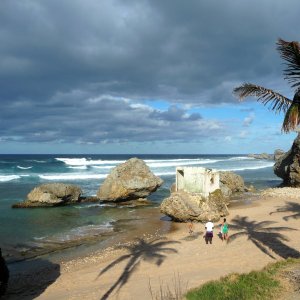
[(265, 238), (29, 279), (291, 207), (193, 236), (154, 251)]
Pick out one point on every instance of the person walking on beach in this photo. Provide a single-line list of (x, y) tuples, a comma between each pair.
[(209, 226), (224, 230), (4, 275), (191, 227)]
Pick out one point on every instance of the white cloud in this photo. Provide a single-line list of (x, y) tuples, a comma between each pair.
[(249, 119)]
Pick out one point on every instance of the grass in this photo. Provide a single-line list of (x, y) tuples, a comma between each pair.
[(265, 284), (165, 292)]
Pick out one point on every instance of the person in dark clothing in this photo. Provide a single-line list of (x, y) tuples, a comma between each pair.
[(4, 275)]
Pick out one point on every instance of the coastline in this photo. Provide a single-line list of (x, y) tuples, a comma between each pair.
[(125, 271)]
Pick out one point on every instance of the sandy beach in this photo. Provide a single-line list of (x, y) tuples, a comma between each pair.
[(261, 232)]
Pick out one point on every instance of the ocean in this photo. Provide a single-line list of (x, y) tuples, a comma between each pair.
[(26, 233)]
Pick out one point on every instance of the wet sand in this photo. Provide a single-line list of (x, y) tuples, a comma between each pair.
[(261, 232)]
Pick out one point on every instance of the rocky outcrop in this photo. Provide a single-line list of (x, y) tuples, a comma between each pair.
[(128, 181), (262, 156), (52, 194), (182, 206), (287, 166), (231, 183), (278, 154)]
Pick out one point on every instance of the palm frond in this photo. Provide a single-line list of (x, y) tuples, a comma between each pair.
[(290, 52), (275, 101), (292, 118)]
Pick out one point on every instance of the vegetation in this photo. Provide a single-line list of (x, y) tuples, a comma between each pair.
[(290, 52), (165, 292), (265, 284)]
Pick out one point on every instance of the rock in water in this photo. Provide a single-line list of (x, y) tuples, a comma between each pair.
[(130, 180), (183, 206), (262, 156), (287, 166), (51, 194)]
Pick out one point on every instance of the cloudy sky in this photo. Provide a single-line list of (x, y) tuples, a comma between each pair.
[(137, 76)]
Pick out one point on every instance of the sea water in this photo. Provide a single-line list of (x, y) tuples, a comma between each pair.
[(30, 232)]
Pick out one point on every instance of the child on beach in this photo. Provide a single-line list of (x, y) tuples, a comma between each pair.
[(224, 230), (191, 227)]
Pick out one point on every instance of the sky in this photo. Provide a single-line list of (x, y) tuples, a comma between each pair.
[(137, 76)]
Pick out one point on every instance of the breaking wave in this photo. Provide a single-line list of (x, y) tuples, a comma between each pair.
[(24, 168), (73, 176), (4, 178)]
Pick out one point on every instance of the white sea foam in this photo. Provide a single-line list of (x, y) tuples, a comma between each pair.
[(103, 167), (169, 160), (241, 158), (4, 178), (249, 167), (88, 206), (86, 162), (183, 163), (78, 167), (72, 176), (77, 233), (24, 168), (164, 173)]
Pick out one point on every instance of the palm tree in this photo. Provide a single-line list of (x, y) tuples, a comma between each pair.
[(290, 52)]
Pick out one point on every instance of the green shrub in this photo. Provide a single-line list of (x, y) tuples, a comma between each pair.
[(254, 285)]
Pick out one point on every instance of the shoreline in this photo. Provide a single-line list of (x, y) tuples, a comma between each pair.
[(156, 223), (157, 258)]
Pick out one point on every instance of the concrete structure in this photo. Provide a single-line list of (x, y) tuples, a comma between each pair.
[(197, 180)]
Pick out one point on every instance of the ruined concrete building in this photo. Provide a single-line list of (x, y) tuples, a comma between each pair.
[(197, 180)]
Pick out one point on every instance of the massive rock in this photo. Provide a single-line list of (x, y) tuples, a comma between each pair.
[(128, 181), (182, 206), (287, 166), (231, 183), (51, 194)]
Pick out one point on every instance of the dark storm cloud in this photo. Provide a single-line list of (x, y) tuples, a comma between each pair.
[(57, 55), (103, 119)]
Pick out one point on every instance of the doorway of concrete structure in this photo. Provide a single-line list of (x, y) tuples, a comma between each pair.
[(179, 179)]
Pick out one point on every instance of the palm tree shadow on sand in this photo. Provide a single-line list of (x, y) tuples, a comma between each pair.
[(265, 238), (154, 251), (291, 207)]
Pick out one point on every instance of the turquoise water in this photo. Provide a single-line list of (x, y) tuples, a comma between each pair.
[(30, 231)]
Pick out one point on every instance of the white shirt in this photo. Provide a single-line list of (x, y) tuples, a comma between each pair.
[(209, 226)]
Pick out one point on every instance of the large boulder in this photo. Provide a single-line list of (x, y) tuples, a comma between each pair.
[(231, 183), (52, 194), (182, 206), (287, 166), (128, 181)]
